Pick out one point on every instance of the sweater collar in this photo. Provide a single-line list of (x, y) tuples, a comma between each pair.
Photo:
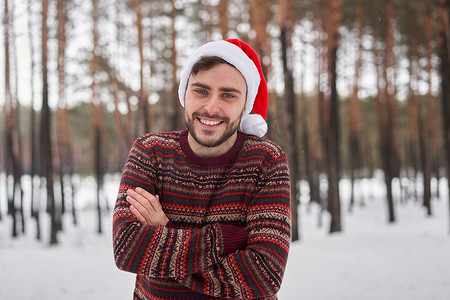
[(226, 158)]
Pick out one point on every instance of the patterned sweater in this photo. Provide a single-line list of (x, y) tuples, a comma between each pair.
[(210, 202)]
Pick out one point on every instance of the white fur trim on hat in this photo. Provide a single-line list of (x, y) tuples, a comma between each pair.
[(254, 124)]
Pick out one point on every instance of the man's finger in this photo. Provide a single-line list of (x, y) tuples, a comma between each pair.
[(138, 215), (152, 200), (143, 200), (143, 211)]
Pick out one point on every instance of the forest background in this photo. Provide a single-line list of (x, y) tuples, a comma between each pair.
[(355, 86)]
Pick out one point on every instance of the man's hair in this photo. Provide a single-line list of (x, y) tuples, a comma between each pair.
[(206, 63)]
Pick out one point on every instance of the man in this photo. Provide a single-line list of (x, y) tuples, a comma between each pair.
[(204, 213)]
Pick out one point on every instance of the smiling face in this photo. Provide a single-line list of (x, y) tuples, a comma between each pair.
[(214, 103)]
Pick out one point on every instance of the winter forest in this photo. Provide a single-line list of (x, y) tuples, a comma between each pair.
[(359, 92)]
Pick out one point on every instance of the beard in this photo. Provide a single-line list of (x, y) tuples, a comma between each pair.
[(230, 129)]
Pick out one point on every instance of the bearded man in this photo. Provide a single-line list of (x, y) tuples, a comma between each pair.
[(204, 213)]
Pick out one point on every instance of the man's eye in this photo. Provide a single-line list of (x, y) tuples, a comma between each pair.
[(202, 92), (228, 95)]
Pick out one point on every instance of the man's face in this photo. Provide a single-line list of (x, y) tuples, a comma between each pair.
[(214, 104)]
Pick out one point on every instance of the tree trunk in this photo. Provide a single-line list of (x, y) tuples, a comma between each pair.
[(412, 141), (429, 114), (316, 132), (319, 127), (122, 139), (412, 131), (334, 206), (143, 94), (45, 140), (443, 46), (62, 119), (384, 98), (354, 109), (260, 15), (35, 197), (11, 114), (177, 119), (304, 132), (15, 128), (286, 27), (97, 115), (223, 15), (390, 149), (7, 119)]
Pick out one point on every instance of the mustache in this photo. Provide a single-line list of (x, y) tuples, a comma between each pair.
[(206, 115)]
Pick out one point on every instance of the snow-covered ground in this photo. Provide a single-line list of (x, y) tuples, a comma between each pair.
[(370, 259)]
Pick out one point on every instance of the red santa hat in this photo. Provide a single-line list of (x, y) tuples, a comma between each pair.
[(245, 60)]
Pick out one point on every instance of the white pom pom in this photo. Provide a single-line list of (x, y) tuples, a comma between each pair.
[(254, 124)]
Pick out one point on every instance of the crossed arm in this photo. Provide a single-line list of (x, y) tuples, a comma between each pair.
[(257, 262)]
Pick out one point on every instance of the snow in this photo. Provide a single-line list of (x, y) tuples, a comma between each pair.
[(370, 259)]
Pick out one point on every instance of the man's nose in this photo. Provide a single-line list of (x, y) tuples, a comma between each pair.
[(213, 106)]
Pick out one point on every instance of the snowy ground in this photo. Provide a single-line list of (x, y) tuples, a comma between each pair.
[(368, 260)]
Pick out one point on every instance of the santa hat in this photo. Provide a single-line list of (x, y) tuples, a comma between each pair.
[(245, 60)]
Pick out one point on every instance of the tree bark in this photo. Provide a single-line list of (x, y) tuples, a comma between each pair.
[(122, 141), (261, 15), (389, 144), (428, 133), (97, 115), (385, 105), (35, 197), (443, 46), (334, 206), (223, 15), (317, 127), (286, 28), (8, 119), (15, 126), (62, 115), (177, 120), (143, 93), (354, 110), (13, 160), (45, 140), (412, 131)]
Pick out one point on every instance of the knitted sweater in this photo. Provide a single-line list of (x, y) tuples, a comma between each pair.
[(229, 229)]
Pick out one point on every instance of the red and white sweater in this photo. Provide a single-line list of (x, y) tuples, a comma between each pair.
[(229, 230)]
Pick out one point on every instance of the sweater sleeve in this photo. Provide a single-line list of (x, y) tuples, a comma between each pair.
[(257, 271), (159, 251)]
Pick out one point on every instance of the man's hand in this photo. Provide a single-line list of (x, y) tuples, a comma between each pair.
[(146, 207)]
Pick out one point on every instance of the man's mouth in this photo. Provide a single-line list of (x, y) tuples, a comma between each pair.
[(209, 122)]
